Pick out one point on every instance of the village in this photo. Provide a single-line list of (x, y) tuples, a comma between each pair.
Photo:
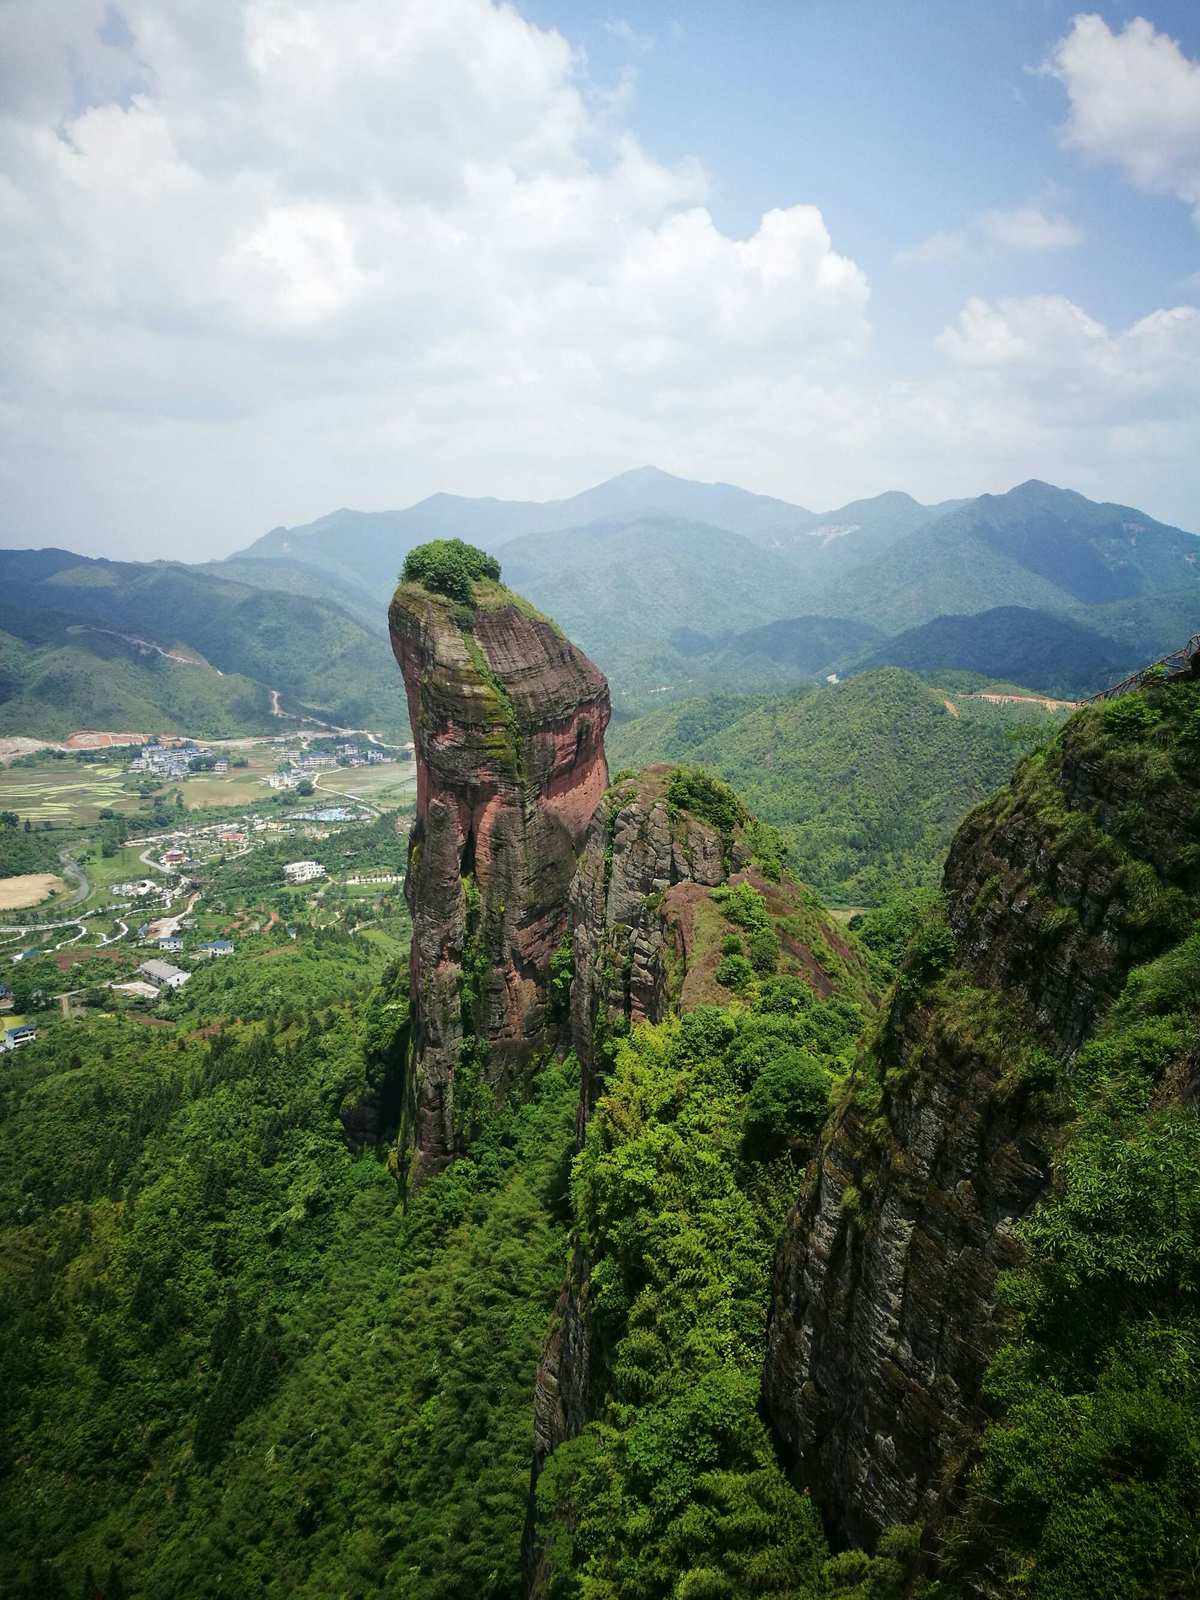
[(307, 847)]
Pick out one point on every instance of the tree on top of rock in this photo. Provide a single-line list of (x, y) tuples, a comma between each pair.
[(449, 567)]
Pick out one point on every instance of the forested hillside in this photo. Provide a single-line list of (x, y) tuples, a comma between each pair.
[(250, 1368), (1055, 655), (866, 779), (316, 654), (76, 676)]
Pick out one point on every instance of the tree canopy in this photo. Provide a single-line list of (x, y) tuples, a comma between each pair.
[(449, 567)]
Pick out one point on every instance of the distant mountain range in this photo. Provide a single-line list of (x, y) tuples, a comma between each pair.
[(676, 587)]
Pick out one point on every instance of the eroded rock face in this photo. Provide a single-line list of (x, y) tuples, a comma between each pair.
[(884, 1312), (508, 719), (641, 864)]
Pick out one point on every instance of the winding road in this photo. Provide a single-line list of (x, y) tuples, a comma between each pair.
[(78, 877)]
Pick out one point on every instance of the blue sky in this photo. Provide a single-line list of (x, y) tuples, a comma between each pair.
[(263, 259), (899, 121)]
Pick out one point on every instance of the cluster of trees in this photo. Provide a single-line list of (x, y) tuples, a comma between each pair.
[(449, 567), (691, 1161), (23, 848)]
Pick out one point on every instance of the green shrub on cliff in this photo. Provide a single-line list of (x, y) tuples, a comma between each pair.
[(679, 1195), (449, 567), (1088, 1481)]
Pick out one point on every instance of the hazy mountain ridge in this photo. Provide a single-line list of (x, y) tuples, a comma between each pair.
[(645, 568), (676, 587), (1037, 546)]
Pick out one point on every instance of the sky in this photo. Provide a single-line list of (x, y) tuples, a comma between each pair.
[(263, 259)]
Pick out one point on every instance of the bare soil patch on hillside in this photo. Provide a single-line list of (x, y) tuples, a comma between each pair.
[(30, 889)]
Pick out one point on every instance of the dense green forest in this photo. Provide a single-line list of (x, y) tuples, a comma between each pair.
[(866, 779), (690, 1164), (233, 1360)]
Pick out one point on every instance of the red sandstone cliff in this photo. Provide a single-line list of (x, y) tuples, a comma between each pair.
[(508, 718)]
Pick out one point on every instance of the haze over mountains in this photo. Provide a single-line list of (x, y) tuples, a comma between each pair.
[(676, 588), (674, 585)]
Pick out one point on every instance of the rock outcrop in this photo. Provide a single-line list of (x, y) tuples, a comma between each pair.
[(508, 719), (642, 865), (640, 913), (884, 1314), (646, 942)]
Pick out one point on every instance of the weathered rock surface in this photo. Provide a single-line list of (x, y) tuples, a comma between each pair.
[(629, 919), (508, 719), (884, 1314)]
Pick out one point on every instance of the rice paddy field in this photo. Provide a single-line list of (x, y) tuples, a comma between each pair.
[(391, 783), (69, 793)]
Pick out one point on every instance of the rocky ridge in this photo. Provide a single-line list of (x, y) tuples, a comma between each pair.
[(646, 941), (884, 1313)]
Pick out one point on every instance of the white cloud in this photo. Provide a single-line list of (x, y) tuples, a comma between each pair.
[(1026, 230), (365, 241), (1134, 102), (938, 250), (259, 259)]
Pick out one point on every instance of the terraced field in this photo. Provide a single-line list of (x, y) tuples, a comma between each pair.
[(66, 792)]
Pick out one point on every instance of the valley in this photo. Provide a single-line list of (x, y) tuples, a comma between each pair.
[(483, 1127), (599, 801)]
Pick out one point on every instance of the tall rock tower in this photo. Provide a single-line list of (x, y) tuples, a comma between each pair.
[(508, 718)]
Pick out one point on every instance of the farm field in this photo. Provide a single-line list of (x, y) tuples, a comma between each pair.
[(69, 793), (29, 889), (391, 783), (235, 788)]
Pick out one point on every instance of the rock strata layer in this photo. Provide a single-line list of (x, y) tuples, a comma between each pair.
[(508, 720)]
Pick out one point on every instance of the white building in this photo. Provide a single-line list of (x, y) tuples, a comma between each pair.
[(164, 973), (303, 871)]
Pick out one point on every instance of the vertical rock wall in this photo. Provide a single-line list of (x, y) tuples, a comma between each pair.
[(508, 719), (884, 1312)]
